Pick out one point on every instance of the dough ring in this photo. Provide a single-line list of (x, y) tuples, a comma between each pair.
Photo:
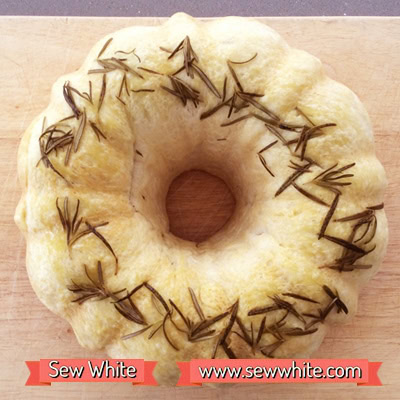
[(229, 97)]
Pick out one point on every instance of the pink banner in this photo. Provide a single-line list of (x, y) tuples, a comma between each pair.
[(46, 371), (359, 371)]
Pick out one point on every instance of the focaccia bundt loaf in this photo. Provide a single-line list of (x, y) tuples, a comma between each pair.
[(229, 97)]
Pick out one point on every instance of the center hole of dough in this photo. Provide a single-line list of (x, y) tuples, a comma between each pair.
[(198, 205)]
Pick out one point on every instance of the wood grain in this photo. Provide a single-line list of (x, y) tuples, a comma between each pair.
[(363, 53)]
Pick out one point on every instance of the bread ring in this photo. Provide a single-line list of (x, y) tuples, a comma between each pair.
[(229, 97)]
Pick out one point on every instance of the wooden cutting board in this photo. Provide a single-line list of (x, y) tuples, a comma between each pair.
[(363, 53)]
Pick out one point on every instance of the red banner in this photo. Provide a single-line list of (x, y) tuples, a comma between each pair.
[(196, 372), (47, 371), (359, 371)]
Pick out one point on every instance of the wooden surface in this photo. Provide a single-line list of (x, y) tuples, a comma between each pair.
[(363, 53), (198, 205)]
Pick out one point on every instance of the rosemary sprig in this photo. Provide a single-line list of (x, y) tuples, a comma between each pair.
[(158, 296), (299, 331), (275, 328), (239, 93), (261, 330), (300, 297), (262, 159), (128, 309), (235, 77), (189, 55), (263, 310), (103, 49), (128, 53), (80, 130), (198, 331), (228, 350), (335, 300), (367, 218), (150, 71), (376, 207), (299, 170), (203, 76), (71, 227), (351, 255), (102, 92), (196, 304), (341, 267), (67, 93), (137, 333), (197, 328), (245, 336), (142, 90), (97, 131), (93, 229), (164, 327), (364, 214), (183, 91), (322, 315), (235, 121), (346, 262), (283, 304), (51, 140), (122, 101), (345, 243), (244, 62), (167, 315), (249, 98), (232, 105), (303, 114), (93, 290), (338, 302), (86, 96), (131, 293), (331, 178), (155, 331), (309, 195), (306, 134), (124, 85), (297, 140), (271, 348), (225, 333), (272, 122), (328, 216), (213, 110), (54, 138), (114, 64), (279, 304), (184, 319)]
